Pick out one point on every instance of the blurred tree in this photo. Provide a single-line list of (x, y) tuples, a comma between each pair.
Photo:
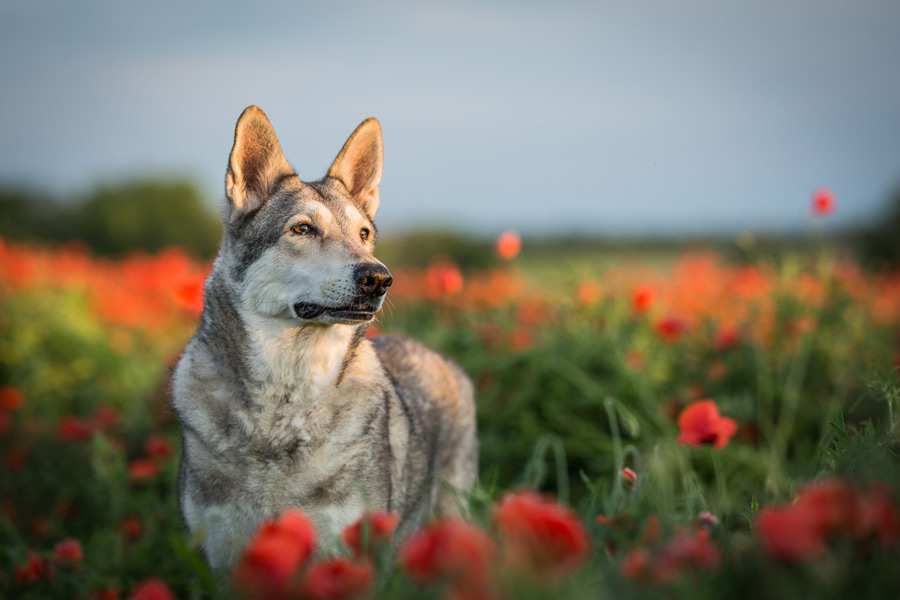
[(881, 243), (149, 215), (115, 219), (26, 214)]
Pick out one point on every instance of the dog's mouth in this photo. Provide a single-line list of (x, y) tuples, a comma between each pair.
[(346, 314)]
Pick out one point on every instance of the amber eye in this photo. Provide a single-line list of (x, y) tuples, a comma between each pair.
[(364, 234), (302, 229)]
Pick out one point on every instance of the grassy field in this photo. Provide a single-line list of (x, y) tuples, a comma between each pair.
[(690, 423)]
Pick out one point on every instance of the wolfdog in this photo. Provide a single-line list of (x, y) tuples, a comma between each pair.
[(283, 400)]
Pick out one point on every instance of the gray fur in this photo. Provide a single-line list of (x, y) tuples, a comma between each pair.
[(280, 411)]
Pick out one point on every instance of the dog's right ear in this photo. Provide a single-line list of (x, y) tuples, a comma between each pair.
[(256, 164)]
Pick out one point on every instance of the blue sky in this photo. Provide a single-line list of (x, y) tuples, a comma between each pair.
[(602, 117)]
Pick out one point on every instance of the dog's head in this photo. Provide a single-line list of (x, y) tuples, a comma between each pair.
[(303, 250)]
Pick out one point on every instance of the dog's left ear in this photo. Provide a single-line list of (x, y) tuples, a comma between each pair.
[(358, 165)]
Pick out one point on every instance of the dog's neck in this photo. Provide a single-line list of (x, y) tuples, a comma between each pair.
[(303, 361)]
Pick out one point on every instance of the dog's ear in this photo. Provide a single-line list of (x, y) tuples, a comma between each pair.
[(256, 163), (358, 165)]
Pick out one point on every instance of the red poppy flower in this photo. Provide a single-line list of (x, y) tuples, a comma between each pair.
[(823, 202), (642, 299), (338, 579), (271, 560), (74, 429), (701, 425), (541, 535), (443, 278), (10, 399), (629, 474), (447, 550), (107, 594), (589, 293), (508, 245), (726, 337), (790, 534), (105, 417), (687, 550), (143, 470), (636, 564), (16, 459), (35, 569), (132, 528), (189, 294), (152, 589), (377, 527), (833, 506), (157, 447), (883, 515), (671, 328), (68, 551)]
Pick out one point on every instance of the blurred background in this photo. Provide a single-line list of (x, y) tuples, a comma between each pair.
[(601, 123), (605, 212)]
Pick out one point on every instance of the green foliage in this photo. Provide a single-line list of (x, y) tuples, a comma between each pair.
[(117, 218)]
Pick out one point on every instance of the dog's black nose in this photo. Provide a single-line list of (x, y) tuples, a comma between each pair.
[(373, 279)]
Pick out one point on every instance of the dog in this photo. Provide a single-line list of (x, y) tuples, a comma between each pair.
[(283, 400)]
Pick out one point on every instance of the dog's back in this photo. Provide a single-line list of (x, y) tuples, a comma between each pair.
[(438, 404)]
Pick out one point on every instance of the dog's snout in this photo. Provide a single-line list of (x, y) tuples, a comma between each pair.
[(373, 279)]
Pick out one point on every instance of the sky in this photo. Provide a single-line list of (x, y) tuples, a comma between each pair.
[(611, 118)]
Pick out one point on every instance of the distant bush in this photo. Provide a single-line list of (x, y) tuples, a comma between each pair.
[(115, 219), (881, 244)]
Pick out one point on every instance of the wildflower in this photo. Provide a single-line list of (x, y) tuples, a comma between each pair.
[(377, 525), (10, 399), (508, 245), (687, 550), (35, 569), (726, 337), (589, 293), (338, 579), (541, 535), (143, 470), (670, 328), (16, 459), (443, 278), (271, 559), (790, 534), (107, 594), (74, 429), (635, 564), (151, 589), (629, 474), (68, 551), (833, 506), (132, 528), (701, 424), (189, 295), (642, 299), (707, 518), (883, 515), (447, 550), (105, 417), (157, 447), (822, 202)]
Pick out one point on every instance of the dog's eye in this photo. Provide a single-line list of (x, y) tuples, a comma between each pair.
[(302, 229), (364, 233)]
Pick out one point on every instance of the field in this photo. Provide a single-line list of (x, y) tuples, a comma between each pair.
[(685, 425)]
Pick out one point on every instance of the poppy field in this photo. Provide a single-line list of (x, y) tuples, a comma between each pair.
[(712, 426)]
